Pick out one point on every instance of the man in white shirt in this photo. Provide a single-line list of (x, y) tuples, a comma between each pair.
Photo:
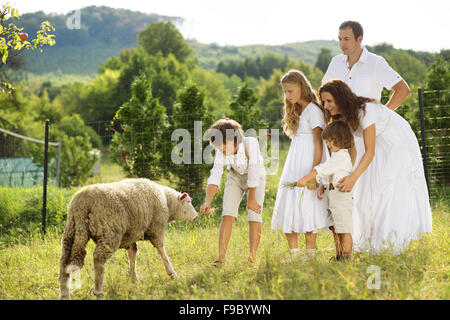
[(365, 73)]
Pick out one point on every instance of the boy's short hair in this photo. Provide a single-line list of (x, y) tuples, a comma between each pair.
[(355, 26), (224, 130), (339, 133)]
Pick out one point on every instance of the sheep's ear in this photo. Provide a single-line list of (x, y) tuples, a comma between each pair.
[(183, 196)]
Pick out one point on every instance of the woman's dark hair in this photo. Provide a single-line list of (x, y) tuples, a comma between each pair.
[(224, 130), (349, 104), (339, 133)]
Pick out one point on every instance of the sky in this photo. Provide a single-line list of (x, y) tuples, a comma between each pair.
[(406, 24)]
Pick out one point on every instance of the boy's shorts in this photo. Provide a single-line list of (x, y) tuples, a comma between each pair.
[(235, 187), (340, 207)]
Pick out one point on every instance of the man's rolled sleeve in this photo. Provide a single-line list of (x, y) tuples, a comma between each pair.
[(385, 75)]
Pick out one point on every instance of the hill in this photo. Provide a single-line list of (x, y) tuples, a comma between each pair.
[(210, 54), (105, 31)]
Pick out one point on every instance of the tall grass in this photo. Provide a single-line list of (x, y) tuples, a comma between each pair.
[(30, 270)]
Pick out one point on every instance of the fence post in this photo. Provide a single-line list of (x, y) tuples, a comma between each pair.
[(58, 164), (44, 198), (424, 143)]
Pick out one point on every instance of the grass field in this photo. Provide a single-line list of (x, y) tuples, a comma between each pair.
[(29, 267), (30, 270)]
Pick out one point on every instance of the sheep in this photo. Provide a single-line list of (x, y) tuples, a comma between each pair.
[(116, 215)]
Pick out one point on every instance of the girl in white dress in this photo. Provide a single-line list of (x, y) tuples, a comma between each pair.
[(391, 204), (298, 210)]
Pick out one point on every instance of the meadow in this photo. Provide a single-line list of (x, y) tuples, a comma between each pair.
[(29, 261)]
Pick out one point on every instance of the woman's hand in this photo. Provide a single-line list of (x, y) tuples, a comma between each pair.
[(346, 184), (320, 193), (253, 205), (311, 185), (302, 182), (205, 207)]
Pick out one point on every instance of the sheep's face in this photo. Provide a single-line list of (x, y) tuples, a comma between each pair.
[(188, 212)]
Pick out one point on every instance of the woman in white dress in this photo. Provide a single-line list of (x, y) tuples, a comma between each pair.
[(298, 210), (391, 204)]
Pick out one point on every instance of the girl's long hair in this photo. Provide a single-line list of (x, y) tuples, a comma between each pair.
[(349, 104), (292, 111)]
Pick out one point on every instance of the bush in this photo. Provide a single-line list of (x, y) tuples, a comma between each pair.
[(21, 211)]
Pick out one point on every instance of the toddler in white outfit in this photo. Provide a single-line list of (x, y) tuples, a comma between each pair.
[(339, 139)]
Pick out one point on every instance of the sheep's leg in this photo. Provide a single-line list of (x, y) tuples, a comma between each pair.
[(64, 278), (102, 253), (132, 254), (156, 237), (169, 269)]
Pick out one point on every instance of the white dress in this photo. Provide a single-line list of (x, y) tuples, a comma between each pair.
[(292, 212), (391, 204)]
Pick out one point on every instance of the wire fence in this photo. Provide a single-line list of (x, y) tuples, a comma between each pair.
[(17, 165), (435, 141), (429, 118)]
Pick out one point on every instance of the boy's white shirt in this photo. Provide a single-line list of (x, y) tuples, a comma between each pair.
[(254, 165), (339, 165)]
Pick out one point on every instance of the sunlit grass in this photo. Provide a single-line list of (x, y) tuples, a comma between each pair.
[(30, 270)]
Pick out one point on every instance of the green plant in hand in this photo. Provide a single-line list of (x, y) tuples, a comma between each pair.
[(292, 185)]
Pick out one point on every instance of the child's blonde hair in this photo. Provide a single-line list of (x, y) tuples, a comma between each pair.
[(291, 112)]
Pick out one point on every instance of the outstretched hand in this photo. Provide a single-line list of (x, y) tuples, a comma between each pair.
[(204, 208)]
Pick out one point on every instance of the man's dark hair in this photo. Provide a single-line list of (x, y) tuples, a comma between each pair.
[(355, 26)]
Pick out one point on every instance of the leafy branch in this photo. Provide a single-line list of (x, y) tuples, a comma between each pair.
[(13, 41)]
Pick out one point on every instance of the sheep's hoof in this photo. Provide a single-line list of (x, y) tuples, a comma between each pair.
[(98, 294), (64, 295), (174, 275)]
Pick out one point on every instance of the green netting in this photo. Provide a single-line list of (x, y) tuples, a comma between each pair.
[(20, 172)]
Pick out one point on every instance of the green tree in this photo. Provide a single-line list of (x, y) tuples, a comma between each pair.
[(323, 59), (271, 99), (217, 96), (164, 37), (410, 68), (77, 160), (99, 103), (138, 147), (13, 41), (189, 113), (245, 110), (167, 74)]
